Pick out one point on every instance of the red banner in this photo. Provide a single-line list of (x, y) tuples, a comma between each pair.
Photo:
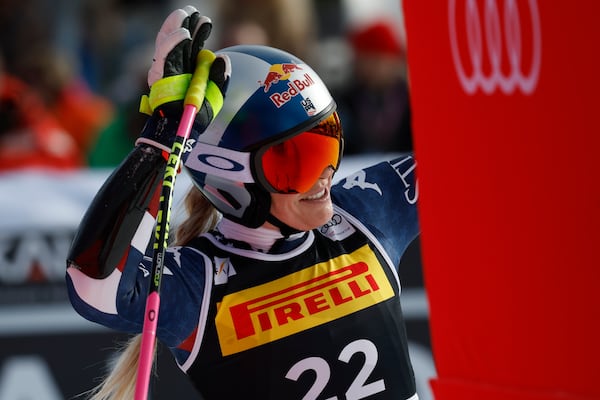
[(506, 130)]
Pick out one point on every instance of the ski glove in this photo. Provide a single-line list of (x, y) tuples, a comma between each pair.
[(178, 43)]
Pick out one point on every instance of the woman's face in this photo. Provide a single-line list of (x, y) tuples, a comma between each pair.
[(305, 211)]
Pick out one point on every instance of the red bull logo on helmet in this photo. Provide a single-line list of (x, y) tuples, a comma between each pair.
[(284, 72), (278, 72)]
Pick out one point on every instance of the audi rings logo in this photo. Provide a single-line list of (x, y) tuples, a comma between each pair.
[(505, 37), (336, 219)]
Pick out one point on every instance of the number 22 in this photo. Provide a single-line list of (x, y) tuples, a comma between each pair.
[(358, 389)]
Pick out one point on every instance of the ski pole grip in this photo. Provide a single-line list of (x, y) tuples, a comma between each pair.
[(197, 89)]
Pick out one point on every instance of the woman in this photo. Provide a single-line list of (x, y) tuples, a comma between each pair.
[(292, 291)]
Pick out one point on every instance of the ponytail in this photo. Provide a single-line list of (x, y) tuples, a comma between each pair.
[(202, 217), (120, 383)]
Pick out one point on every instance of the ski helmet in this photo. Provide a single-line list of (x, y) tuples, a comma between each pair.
[(275, 106)]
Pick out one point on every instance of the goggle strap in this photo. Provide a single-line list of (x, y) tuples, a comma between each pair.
[(331, 126)]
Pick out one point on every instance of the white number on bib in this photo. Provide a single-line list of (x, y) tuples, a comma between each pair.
[(358, 389)]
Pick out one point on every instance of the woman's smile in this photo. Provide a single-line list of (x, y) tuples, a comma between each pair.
[(306, 211)]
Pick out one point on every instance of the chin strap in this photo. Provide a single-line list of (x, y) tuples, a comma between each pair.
[(285, 229), (257, 212)]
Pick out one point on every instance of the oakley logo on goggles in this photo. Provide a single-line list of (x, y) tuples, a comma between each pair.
[(294, 165)]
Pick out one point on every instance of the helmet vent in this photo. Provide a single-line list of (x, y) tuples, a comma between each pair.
[(230, 199)]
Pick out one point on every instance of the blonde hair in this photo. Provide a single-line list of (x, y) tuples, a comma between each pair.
[(120, 382)]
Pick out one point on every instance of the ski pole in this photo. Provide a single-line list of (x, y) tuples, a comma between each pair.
[(192, 103)]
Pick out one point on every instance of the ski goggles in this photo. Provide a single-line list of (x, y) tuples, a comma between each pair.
[(295, 165)]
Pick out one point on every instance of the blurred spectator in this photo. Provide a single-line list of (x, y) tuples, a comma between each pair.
[(79, 110), (290, 25), (117, 139), (33, 56), (30, 135), (374, 106)]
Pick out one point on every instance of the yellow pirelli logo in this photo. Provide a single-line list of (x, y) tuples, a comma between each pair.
[(308, 298)]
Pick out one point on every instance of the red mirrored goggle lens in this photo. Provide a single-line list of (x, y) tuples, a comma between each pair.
[(294, 165)]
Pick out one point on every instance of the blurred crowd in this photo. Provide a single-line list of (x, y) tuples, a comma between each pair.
[(72, 71)]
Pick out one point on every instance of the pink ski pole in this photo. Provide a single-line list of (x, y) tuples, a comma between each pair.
[(192, 103)]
